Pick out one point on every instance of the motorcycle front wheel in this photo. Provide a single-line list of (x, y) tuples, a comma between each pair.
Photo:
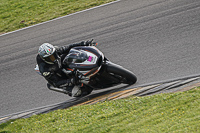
[(125, 76)]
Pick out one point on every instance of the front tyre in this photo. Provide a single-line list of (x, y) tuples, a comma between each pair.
[(121, 73)]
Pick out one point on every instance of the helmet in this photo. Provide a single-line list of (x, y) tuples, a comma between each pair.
[(48, 53)]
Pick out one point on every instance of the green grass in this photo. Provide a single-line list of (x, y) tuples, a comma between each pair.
[(177, 112), (16, 14)]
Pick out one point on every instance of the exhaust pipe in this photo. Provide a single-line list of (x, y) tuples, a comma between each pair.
[(57, 89)]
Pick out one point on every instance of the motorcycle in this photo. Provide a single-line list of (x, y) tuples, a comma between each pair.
[(91, 68)]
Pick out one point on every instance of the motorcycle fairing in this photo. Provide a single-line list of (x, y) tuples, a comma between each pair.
[(90, 62)]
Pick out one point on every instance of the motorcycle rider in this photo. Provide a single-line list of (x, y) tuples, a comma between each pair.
[(50, 61)]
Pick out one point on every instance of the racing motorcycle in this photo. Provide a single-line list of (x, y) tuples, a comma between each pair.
[(91, 68)]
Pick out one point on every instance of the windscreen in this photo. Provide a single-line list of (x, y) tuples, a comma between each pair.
[(76, 56)]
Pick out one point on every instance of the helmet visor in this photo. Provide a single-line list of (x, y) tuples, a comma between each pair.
[(52, 58)]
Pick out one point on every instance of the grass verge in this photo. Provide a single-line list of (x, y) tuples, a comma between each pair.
[(177, 112), (16, 14)]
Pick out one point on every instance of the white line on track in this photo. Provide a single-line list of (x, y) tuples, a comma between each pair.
[(61, 17)]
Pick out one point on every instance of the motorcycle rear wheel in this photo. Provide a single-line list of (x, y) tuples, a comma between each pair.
[(121, 73)]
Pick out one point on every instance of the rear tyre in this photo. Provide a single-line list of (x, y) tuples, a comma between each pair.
[(124, 75)]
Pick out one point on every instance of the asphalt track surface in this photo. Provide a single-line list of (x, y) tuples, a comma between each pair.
[(156, 39)]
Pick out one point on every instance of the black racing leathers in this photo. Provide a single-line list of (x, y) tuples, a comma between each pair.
[(52, 72)]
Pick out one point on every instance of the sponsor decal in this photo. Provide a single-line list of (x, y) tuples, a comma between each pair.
[(90, 58), (49, 50)]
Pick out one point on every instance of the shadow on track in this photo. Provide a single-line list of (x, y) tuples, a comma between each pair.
[(76, 101)]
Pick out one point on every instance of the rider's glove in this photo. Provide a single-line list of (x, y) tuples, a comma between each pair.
[(76, 78), (90, 43)]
